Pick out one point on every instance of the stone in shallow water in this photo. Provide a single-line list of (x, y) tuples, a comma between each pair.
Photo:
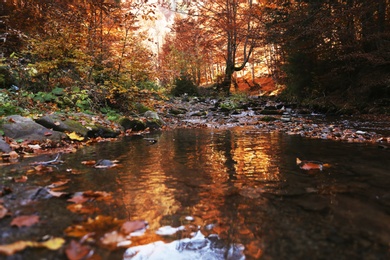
[(197, 247)]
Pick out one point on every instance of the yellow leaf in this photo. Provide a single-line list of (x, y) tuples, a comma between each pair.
[(75, 136), (53, 244)]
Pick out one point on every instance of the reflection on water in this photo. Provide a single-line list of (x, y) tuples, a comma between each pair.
[(243, 187)]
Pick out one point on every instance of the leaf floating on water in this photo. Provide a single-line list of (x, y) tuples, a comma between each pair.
[(90, 162), (311, 165), (25, 221), (75, 136)]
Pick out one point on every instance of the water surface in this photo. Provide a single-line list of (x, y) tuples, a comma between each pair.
[(242, 186)]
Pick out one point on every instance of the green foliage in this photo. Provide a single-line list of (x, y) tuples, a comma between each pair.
[(184, 85), (111, 114), (148, 85), (9, 105), (233, 101)]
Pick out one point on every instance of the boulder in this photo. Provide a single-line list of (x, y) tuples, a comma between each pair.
[(4, 147), (133, 124), (18, 127), (61, 123)]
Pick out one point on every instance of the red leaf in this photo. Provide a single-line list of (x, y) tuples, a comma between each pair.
[(48, 133), (76, 251), (25, 221)]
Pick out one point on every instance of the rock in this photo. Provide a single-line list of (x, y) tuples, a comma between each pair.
[(151, 115), (61, 123), (132, 124), (18, 127), (4, 147), (177, 111), (102, 131)]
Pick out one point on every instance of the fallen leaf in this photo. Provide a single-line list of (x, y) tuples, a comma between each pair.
[(52, 244), (57, 123), (13, 155), (57, 193), (11, 249), (58, 183), (76, 251), (3, 211), (75, 136), (48, 133), (310, 165), (90, 162), (78, 199), (98, 195), (111, 239), (34, 146), (82, 209), (99, 225), (21, 179), (25, 221), (131, 226), (42, 168)]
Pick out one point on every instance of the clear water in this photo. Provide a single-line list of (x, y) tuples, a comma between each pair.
[(243, 187)]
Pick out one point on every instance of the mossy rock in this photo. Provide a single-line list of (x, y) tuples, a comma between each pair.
[(133, 124), (61, 123)]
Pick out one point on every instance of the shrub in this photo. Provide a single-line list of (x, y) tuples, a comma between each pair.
[(184, 85)]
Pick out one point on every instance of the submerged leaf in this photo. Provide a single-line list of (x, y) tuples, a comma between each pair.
[(76, 251), (25, 221), (131, 226), (52, 244), (11, 249), (3, 211)]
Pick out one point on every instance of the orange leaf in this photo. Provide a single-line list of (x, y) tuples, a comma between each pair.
[(58, 183), (25, 221), (311, 166), (76, 251), (82, 209), (90, 162), (21, 179)]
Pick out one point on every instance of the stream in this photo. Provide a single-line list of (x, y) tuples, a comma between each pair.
[(218, 194)]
